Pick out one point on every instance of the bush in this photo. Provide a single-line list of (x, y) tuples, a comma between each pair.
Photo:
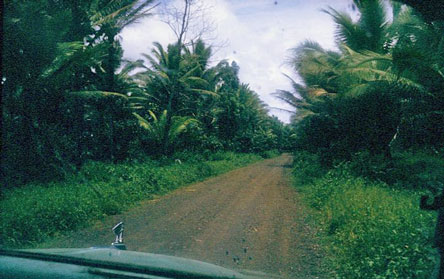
[(344, 126), (406, 170), (269, 153), (306, 168), (420, 170), (373, 166), (99, 189), (371, 230)]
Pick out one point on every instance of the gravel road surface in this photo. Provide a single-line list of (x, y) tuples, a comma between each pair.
[(250, 218)]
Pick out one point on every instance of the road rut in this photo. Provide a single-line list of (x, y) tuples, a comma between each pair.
[(250, 218)]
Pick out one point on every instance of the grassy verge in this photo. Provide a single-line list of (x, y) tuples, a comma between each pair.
[(370, 230), (35, 212)]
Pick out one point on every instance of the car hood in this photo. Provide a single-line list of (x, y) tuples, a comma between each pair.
[(137, 262)]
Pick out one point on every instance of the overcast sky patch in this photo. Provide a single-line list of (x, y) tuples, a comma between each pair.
[(257, 34)]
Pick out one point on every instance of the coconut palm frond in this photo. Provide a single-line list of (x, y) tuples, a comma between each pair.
[(347, 32), (143, 122), (205, 92), (179, 124), (98, 94)]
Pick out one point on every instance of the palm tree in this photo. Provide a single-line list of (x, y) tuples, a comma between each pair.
[(321, 72), (106, 19), (89, 65), (240, 114), (362, 61), (111, 17), (173, 82), (334, 82), (369, 32), (318, 68), (164, 132), (301, 99)]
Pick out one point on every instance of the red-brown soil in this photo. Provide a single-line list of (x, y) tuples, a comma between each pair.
[(250, 218)]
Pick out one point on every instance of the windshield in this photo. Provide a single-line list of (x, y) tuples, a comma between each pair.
[(301, 139)]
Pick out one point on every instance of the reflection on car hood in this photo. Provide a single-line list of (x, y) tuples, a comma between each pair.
[(137, 262)]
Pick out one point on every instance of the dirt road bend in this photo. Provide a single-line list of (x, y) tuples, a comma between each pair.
[(250, 218)]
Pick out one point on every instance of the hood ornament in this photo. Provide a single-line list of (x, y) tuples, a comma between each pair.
[(118, 231)]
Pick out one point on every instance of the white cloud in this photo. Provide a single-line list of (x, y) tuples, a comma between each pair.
[(139, 38), (258, 35)]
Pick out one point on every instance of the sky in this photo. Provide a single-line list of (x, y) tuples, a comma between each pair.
[(257, 34)]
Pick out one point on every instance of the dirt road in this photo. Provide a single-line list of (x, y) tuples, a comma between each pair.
[(250, 218)]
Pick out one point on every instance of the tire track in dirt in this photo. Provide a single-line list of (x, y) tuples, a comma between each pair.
[(250, 218)]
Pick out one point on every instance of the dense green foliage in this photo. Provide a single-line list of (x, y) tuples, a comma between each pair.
[(369, 229), (363, 113), (382, 89), (98, 127), (101, 189), (69, 97)]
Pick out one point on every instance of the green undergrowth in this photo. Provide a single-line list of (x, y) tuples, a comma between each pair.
[(36, 212), (369, 229), (270, 153)]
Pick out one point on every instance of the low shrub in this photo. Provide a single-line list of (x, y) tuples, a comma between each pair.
[(420, 170), (370, 230), (35, 212), (417, 170), (269, 153), (306, 168)]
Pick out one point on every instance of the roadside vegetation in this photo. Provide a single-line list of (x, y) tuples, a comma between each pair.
[(73, 98), (37, 211), (371, 229), (368, 137), (86, 133)]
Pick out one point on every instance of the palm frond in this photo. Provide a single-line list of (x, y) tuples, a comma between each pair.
[(189, 73), (195, 82), (66, 51), (347, 31), (98, 94), (205, 92), (109, 13), (178, 126), (143, 122)]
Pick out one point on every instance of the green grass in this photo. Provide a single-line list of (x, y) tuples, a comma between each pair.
[(36, 212), (370, 230)]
